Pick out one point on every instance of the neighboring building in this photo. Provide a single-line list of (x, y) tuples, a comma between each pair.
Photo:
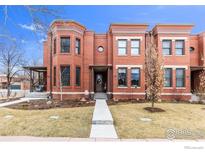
[(114, 62), (18, 83)]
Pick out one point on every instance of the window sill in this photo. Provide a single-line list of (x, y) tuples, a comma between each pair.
[(180, 55), (121, 87), (168, 87), (64, 53), (122, 55), (167, 55), (135, 55), (78, 87), (180, 87), (133, 87)]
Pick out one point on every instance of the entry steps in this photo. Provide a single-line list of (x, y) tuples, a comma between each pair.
[(100, 96)]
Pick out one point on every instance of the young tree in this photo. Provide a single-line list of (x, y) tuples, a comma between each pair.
[(11, 61), (153, 71), (201, 89)]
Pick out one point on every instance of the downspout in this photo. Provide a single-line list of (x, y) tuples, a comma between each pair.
[(51, 88)]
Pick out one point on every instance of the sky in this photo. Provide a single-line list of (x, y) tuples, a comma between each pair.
[(18, 24)]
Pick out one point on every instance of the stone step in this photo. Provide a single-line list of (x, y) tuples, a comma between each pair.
[(100, 96)]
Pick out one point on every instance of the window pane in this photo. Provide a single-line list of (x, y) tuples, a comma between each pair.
[(122, 77), (179, 51), (122, 43), (135, 43), (179, 44), (135, 77), (180, 77), (167, 77), (65, 44), (166, 44), (135, 51), (77, 46), (121, 51), (77, 76), (166, 52), (65, 75)]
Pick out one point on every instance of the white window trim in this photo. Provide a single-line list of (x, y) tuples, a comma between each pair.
[(128, 37), (175, 66), (129, 66), (173, 38)]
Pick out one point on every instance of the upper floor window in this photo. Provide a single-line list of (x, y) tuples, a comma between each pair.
[(65, 75), (54, 46), (77, 76), (166, 47), (122, 77), (77, 46), (168, 77), (135, 77), (122, 47), (135, 47), (180, 77), (179, 47), (65, 44)]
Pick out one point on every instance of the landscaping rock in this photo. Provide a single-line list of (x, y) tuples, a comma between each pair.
[(145, 119), (54, 117), (49, 102), (83, 99), (8, 116)]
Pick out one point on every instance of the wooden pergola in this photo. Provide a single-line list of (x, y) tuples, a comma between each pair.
[(41, 75)]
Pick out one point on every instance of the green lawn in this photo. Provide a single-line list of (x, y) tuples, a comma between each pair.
[(72, 122), (180, 117)]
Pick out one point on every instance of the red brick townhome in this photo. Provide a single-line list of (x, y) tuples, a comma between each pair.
[(113, 62)]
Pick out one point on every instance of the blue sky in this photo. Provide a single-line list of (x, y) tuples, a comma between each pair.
[(19, 25)]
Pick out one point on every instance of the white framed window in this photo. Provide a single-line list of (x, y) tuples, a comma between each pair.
[(135, 77), (180, 77), (166, 47), (122, 77), (168, 77), (135, 46), (179, 47), (122, 47)]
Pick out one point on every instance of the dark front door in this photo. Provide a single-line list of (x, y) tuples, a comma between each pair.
[(99, 83)]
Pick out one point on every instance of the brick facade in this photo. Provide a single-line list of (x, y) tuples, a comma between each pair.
[(94, 63)]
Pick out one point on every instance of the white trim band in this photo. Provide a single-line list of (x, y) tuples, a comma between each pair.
[(128, 37), (173, 38), (175, 66), (129, 66)]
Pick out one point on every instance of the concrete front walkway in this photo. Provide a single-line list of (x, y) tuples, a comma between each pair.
[(102, 122), (17, 101)]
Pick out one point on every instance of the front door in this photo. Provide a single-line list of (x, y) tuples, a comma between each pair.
[(99, 83)]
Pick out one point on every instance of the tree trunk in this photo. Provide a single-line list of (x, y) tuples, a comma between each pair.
[(152, 104)]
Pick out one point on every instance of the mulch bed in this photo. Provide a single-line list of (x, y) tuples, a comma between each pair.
[(42, 104), (153, 110), (112, 102)]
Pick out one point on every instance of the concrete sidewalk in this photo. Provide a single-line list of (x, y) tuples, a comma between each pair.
[(102, 122), (17, 101), (67, 139)]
